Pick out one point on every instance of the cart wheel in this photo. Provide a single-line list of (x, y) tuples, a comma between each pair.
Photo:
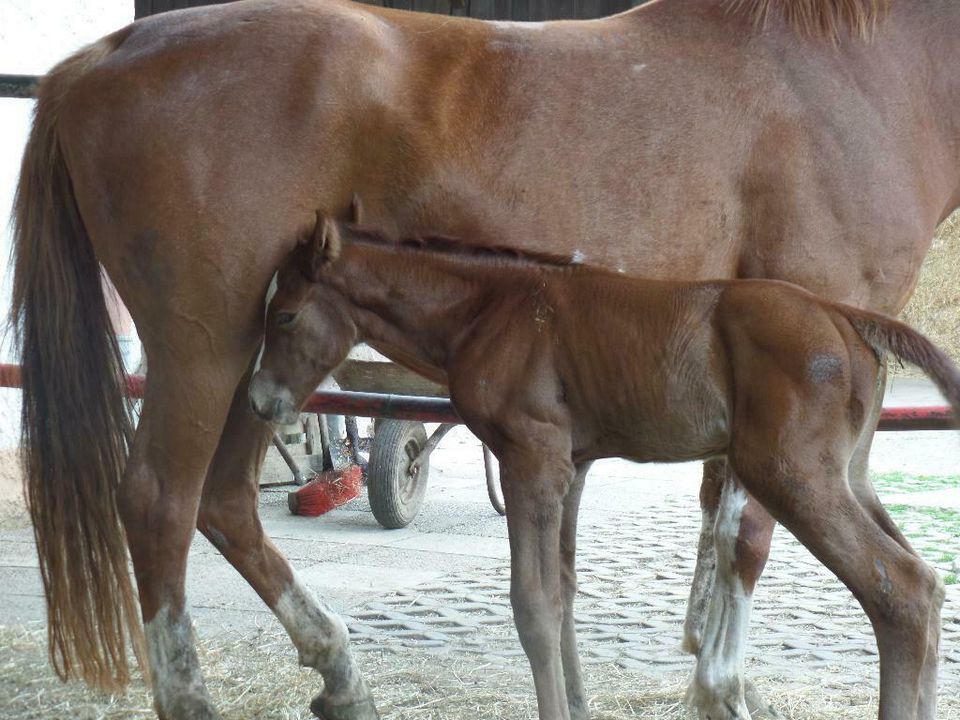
[(395, 494), (492, 470)]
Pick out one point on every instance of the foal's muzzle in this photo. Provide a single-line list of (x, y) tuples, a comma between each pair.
[(272, 402)]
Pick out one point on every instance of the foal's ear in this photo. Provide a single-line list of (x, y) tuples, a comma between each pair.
[(322, 248)]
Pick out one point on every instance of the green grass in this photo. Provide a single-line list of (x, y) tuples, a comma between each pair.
[(898, 482), (935, 534)]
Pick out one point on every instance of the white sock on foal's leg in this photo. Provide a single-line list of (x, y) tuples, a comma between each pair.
[(718, 686)]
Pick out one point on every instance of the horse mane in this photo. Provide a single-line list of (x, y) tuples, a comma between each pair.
[(449, 245), (829, 19)]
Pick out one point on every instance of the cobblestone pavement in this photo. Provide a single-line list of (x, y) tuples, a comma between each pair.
[(635, 571)]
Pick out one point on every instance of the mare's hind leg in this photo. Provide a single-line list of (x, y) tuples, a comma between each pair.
[(733, 549), (572, 672), (229, 518), (901, 595), (183, 413)]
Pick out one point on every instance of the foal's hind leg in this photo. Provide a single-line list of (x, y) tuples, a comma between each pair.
[(748, 538), (859, 470), (229, 518), (862, 487), (572, 672), (183, 413), (900, 594)]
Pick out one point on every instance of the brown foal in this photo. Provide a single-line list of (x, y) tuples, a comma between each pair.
[(554, 365), (813, 141)]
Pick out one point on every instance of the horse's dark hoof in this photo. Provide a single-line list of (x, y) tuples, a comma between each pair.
[(325, 710)]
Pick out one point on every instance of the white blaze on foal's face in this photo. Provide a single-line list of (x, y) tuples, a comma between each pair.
[(271, 291)]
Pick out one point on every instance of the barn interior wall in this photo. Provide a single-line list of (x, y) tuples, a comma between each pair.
[(33, 37), (484, 9)]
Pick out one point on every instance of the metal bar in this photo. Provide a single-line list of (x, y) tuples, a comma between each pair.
[(917, 418), (431, 445), (440, 410), (391, 407), (358, 404), (298, 476), (18, 86)]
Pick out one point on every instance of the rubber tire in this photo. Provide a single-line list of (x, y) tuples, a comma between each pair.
[(395, 497)]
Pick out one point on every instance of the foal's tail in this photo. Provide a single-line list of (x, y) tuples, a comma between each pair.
[(76, 426), (884, 334)]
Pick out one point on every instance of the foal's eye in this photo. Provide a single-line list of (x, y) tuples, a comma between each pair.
[(285, 318)]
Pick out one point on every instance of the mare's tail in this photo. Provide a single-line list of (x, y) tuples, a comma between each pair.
[(76, 426)]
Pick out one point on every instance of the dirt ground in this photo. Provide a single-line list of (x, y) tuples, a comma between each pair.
[(256, 678)]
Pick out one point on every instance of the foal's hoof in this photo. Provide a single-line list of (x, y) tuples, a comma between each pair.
[(325, 710), (759, 708)]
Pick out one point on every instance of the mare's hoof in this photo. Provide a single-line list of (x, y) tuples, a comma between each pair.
[(325, 710), (759, 708), (189, 708), (715, 704)]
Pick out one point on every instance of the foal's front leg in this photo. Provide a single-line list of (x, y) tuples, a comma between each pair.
[(572, 672), (534, 482)]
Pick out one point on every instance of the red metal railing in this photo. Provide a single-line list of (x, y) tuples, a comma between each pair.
[(358, 404), (440, 410), (934, 417)]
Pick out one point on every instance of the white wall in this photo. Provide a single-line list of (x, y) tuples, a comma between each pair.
[(34, 35)]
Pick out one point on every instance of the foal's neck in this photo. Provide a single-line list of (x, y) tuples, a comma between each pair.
[(418, 305)]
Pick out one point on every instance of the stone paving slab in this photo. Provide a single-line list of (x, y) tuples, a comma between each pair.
[(635, 571)]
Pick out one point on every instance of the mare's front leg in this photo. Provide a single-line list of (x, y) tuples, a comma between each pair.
[(572, 672), (535, 477), (230, 519)]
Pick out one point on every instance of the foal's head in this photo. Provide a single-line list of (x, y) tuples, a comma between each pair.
[(308, 328)]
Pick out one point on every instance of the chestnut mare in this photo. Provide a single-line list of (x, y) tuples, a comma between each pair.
[(554, 367), (687, 138)]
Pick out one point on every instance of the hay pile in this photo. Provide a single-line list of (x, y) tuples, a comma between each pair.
[(255, 678), (934, 308)]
